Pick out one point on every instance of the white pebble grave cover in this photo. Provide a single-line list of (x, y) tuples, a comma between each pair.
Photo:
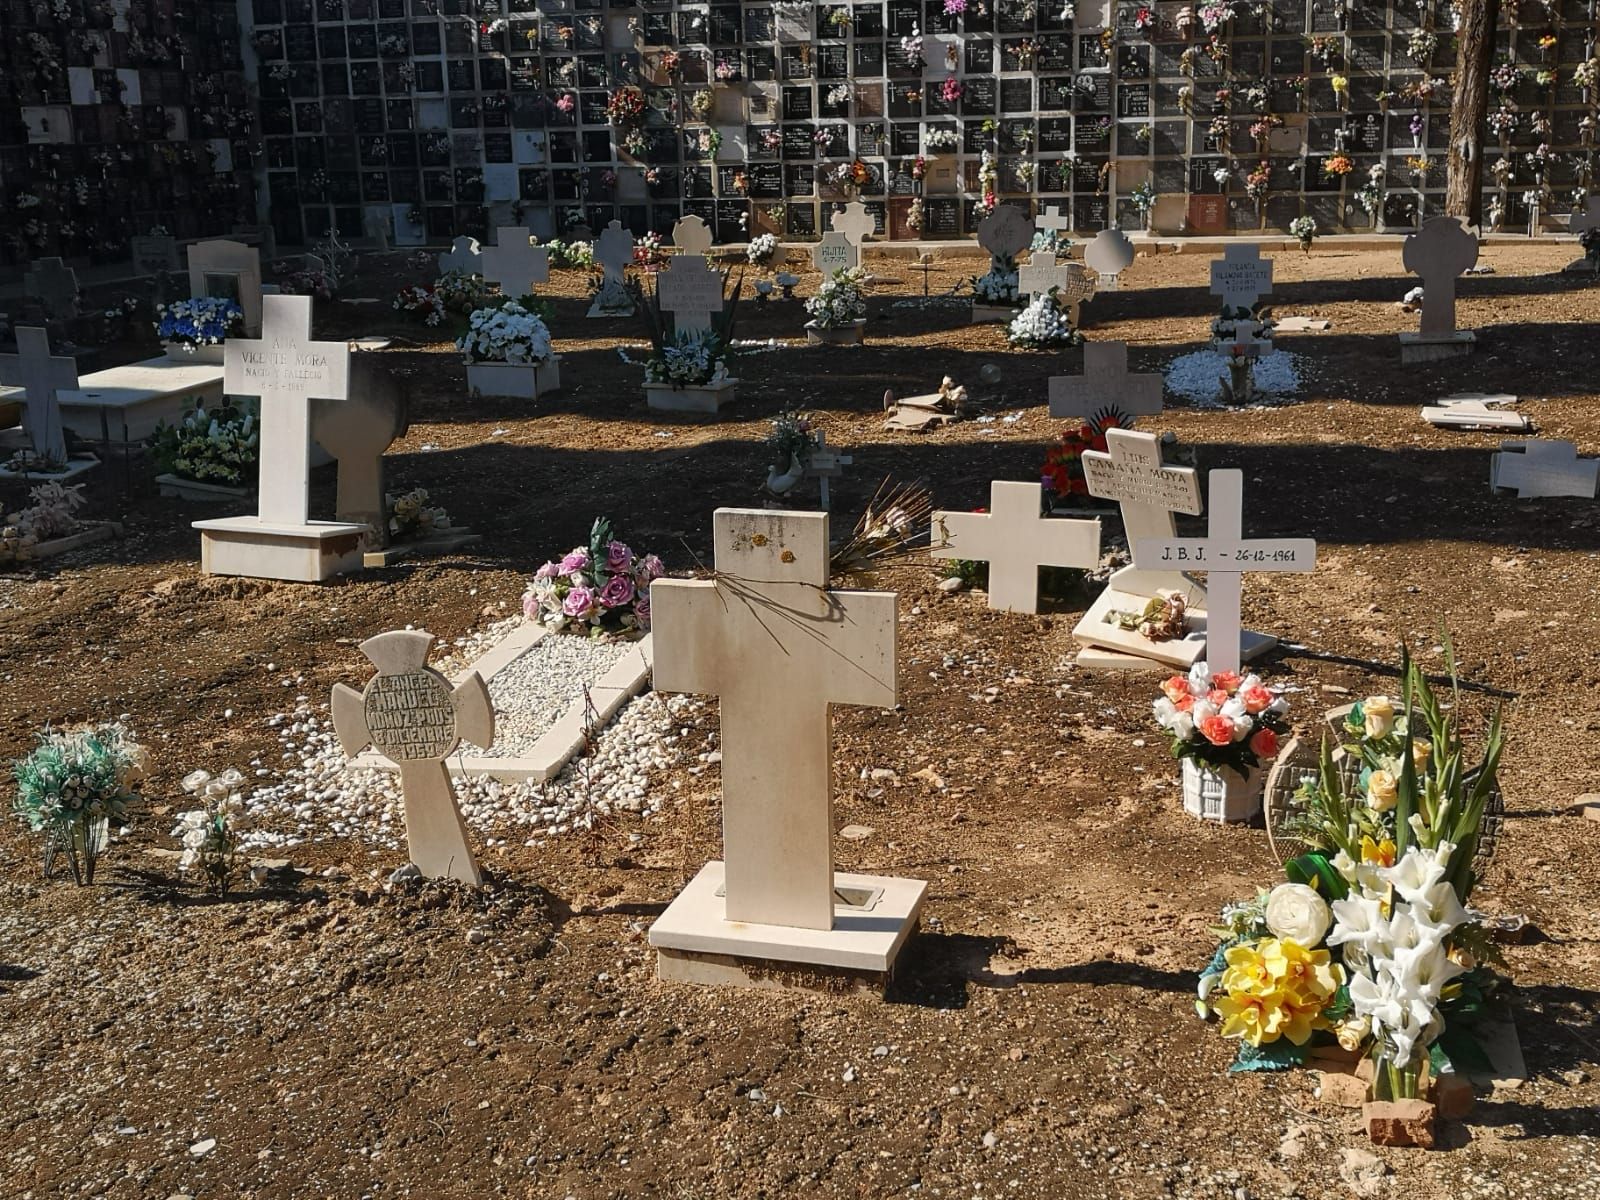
[(1197, 378)]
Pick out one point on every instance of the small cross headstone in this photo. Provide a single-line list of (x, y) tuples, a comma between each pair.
[(464, 255), (691, 235), (1109, 255), (1005, 233), (855, 222), (286, 369), (515, 263), (825, 464), (55, 285), (1130, 471), (834, 252), (1105, 383), (1040, 273), (410, 713), (1053, 220), (1015, 540), (40, 375), (357, 431), (1224, 555), (1439, 254), (1243, 340), (778, 646), (154, 253), (1080, 284), (1540, 468), (1475, 410), (691, 290), (228, 270), (614, 251), (1241, 276)]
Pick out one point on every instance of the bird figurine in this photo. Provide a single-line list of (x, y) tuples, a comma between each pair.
[(782, 484)]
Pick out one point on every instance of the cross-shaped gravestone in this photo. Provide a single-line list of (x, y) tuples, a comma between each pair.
[(691, 290), (1080, 285), (1040, 274), (1241, 276), (1016, 541), (356, 432), (1109, 255), (411, 714), (40, 375), (1580, 224), (228, 270), (826, 463), (834, 252), (855, 222), (55, 285), (1243, 341), (1053, 220), (1105, 383), (1544, 468), (515, 263), (464, 255), (778, 647), (691, 235), (287, 370), (1442, 251), (1130, 471), (1005, 233), (613, 251), (1224, 556)]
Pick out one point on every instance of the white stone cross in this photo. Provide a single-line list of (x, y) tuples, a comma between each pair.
[(834, 252), (1442, 251), (464, 255), (691, 290), (515, 263), (1109, 255), (1015, 540), (826, 463), (1105, 383), (691, 235), (1224, 555), (55, 284), (855, 222), (229, 270), (40, 375), (1244, 340), (1053, 220), (1040, 274), (1544, 468), (1005, 233), (613, 251), (778, 647), (287, 370), (1241, 276), (411, 713), (1131, 472), (1081, 284)]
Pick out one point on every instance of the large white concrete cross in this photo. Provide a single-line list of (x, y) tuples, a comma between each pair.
[(1015, 540), (40, 375), (514, 262)]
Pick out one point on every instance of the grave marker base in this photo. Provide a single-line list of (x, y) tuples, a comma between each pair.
[(520, 381), (663, 397), (853, 334), (447, 541), (1110, 647), (1435, 347), (983, 314), (92, 533), (695, 944), (254, 549), (76, 465), (172, 487)]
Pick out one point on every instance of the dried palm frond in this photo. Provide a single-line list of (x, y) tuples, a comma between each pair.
[(895, 524)]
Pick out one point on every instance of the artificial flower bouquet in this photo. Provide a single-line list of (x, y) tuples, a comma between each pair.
[(1222, 720), (1371, 944), (210, 834), (761, 251), (218, 446), (74, 788), (506, 333), (999, 285), (600, 588), (203, 321), (1063, 475), (462, 292), (839, 302), (414, 515), (1044, 325), (693, 358), (421, 303)]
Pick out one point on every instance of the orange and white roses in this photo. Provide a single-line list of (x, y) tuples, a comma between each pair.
[(1221, 719)]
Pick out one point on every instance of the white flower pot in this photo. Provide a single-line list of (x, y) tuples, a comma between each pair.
[(853, 334), (1221, 795), (663, 397), (178, 352), (982, 313), (521, 381)]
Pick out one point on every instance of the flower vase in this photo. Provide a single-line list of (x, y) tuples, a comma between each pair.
[(180, 352), (1222, 795)]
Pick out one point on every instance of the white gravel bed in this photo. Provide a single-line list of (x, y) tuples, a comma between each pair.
[(533, 690), (1198, 378)]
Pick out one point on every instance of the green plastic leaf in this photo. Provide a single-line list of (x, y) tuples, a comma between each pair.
[(1314, 870), (1458, 1044), (1274, 1056)]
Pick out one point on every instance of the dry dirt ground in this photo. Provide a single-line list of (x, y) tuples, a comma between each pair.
[(339, 1040)]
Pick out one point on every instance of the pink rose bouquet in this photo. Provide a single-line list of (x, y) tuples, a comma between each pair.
[(600, 588), (1221, 719)]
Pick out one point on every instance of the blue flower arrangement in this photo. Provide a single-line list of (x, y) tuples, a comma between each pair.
[(204, 321)]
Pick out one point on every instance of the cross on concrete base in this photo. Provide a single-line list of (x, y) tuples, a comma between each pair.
[(1241, 276), (778, 647), (40, 375), (1015, 540), (1439, 254), (1105, 383), (1224, 556), (515, 263)]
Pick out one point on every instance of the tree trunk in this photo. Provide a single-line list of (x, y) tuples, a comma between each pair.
[(1470, 109)]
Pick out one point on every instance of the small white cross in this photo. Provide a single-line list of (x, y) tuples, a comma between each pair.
[(1131, 472), (41, 376), (1015, 540), (515, 263), (1544, 468), (1105, 383), (855, 222), (1225, 556), (1244, 340), (1053, 220), (1040, 274), (1241, 276), (833, 252), (824, 464)]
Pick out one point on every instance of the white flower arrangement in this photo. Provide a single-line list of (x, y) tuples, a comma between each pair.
[(694, 358), (999, 286), (220, 446), (210, 834), (761, 250), (839, 301), (1043, 324), (507, 334)]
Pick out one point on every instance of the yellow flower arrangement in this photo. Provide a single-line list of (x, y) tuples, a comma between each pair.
[(1276, 988)]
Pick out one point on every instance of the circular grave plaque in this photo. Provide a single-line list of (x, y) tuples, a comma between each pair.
[(410, 715)]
